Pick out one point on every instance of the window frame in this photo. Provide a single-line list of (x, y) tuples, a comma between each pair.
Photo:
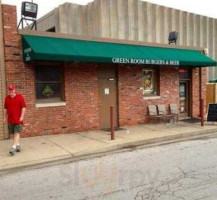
[(157, 81), (62, 85), (188, 71)]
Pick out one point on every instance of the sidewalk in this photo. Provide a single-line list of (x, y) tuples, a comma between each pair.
[(44, 150)]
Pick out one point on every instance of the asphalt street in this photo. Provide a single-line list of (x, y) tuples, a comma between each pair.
[(177, 171)]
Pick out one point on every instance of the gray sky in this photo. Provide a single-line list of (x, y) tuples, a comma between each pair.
[(202, 7)]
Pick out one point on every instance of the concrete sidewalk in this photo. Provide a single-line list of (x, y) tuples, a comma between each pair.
[(45, 150)]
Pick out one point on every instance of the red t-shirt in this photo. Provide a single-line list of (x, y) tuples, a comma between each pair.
[(14, 108)]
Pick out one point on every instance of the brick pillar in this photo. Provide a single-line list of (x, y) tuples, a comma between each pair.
[(11, 43), (195, 91)]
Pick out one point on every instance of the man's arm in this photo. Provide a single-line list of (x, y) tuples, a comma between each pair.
[(22, 114), (5, 115)]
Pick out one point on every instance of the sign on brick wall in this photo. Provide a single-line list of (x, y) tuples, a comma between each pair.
[(212, 113)]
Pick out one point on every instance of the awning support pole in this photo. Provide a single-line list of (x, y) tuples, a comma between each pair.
[(112, 123), (202, 111), (201, 98)]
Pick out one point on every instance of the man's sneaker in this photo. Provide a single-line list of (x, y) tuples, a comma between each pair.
[(18, 149), (12, 151)]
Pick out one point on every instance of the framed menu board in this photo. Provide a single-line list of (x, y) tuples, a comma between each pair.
[(212, 112)]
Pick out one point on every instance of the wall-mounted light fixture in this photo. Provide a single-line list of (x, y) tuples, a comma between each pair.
[(29, 11), (206, 51), (173, 36)]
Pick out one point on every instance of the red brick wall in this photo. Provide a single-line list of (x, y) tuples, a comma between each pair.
[(80, 112), (81, 90), (132, 106), (195, 91)]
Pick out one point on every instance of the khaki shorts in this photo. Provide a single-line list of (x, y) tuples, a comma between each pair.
[(15, 128)]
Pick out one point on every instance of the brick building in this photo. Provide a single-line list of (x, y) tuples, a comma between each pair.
[(69, 82), (134, 20)]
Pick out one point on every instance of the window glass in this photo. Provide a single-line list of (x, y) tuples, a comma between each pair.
[(150, 81), (48, 83), (48, 74)]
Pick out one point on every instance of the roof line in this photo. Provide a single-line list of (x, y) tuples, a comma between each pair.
[(108, 40)]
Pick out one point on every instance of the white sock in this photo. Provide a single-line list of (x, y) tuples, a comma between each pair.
[(18, 144), (14, 146)]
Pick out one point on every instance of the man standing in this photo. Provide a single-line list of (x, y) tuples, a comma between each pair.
[(14, 110)]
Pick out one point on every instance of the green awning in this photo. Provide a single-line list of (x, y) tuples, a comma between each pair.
[(40, 48)]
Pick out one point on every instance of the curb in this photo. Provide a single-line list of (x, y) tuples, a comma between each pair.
[(111, 149)]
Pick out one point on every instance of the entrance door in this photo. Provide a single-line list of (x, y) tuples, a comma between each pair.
[(107, 95), (184, 106)]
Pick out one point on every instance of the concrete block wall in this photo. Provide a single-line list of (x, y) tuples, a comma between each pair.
[(49, 21), (136, 20)]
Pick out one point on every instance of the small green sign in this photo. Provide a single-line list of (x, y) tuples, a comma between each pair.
[(47, 91)]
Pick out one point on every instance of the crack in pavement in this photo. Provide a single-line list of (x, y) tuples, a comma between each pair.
[(182, 186)]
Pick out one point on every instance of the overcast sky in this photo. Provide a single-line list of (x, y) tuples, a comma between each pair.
[(202, 7)]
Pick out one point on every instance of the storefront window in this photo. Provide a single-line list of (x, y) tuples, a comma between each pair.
[(48, 83), (150, 81)]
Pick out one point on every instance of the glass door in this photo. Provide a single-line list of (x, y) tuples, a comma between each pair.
[(184, 99)]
